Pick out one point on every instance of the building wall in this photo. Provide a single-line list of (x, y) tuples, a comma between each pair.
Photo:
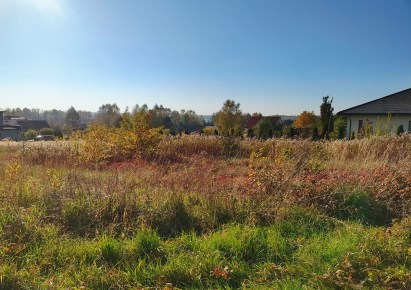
[(13, 134), (378, 123)]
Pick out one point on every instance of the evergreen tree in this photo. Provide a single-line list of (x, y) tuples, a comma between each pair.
[(326, 111)]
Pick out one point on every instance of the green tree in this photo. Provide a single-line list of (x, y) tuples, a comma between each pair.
[(400, 129), (72, 118), (109, 115), (229, 120), (340, 125), (264, 129), (30, 134), (326, 112)]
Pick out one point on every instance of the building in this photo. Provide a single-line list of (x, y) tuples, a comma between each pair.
[(12, 127), (384, 114), (7, 131)]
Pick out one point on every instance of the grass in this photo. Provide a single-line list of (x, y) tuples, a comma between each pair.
[(281, 214)]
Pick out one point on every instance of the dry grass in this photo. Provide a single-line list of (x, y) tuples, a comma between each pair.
[(280, 214)]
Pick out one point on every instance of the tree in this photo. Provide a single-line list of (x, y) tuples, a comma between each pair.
[(340, 125), (305, 120), (400, 129), (264, 128), (108, 114), (30, 134), (46, 131), (326, 112), (229, 120), (72, 118)]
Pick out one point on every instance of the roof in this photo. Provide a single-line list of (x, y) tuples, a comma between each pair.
[(255, 119), (8, 128), (33, 124), (397, 104)]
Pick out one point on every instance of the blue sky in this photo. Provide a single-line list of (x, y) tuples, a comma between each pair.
[(273, 57)]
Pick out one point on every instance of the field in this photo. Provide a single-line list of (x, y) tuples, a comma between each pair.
[(208, 213)]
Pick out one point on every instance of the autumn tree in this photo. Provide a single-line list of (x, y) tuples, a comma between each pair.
[(229, 120), (305, 120)]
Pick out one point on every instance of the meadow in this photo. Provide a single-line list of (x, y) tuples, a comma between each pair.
[(206, 212)]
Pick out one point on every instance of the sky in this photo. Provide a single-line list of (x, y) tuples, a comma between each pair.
[(271, 56)]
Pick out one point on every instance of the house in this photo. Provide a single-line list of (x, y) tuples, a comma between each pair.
[(35, 125), (14, 126), (255, 119), (7, 131), (386, 113)]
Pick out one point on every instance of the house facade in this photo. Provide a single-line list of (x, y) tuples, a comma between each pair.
[(14, 127), (7, 131), (385, 114)]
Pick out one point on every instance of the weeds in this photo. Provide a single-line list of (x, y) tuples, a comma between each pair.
[(281, 214)]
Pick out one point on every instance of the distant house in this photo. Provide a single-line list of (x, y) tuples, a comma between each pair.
[(14, 126), (35, 125), (255, 119), (7, 131), (388, 112)]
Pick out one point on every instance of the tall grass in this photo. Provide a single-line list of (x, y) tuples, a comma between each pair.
[(281, 214)]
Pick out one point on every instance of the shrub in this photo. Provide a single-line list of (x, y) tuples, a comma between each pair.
[(30, 134), (400, 129), (46, 131)]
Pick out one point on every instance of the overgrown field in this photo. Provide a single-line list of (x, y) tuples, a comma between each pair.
[(206, 212)]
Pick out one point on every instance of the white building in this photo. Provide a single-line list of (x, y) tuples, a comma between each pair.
[(381, 115)]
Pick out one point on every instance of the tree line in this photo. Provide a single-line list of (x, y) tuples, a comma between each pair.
[(228, 121)]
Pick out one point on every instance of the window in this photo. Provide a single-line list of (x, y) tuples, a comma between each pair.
[(359, 125)]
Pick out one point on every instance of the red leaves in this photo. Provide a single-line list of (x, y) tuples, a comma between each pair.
[(224, 273)]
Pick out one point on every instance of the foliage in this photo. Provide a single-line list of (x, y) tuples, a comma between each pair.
[(326, 112), (30, 134), (229, 120), (134, 139), (108, 115), (305, 120), (72, 118), (340, 125), (264, 129), (400, 129), (282, 214), (46, 131)]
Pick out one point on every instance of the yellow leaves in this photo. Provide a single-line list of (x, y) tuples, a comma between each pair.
[(55, 179), (102, 145), (13, 170)]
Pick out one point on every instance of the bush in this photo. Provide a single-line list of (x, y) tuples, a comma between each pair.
[(400, 129), (30, 134), (46, 131)]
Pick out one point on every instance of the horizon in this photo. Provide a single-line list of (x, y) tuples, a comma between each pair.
[(272, 58)]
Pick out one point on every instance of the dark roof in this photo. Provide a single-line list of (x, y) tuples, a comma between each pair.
[(33, 124), (396, 104), (255, 119)]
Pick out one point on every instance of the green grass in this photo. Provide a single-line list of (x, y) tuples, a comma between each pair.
[(236, 256), (200, 223)]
